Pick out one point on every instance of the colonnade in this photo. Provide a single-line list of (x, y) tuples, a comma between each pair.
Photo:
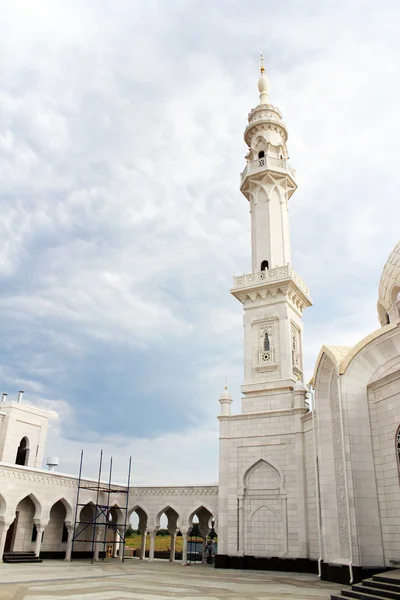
[(59, 535)]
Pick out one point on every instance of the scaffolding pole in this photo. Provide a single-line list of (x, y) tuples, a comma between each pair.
[(102, 512)]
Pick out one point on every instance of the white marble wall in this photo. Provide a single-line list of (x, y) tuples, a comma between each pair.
[(384, 405), (262, 473), (18, 420)]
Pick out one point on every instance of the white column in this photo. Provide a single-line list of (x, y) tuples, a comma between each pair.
[(68, 551), (143, 546), (121, 547), (97, 544), (40, 529), (204, 531), (204, 551), (116, 544), (285, 526), (185, 547), (241, 526), (173, 533), (3, 534), (152, 542)]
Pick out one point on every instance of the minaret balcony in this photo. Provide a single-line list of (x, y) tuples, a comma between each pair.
[(260, 278), (267, 163)]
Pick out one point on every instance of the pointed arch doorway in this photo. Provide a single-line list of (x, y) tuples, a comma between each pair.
[(264, 512)]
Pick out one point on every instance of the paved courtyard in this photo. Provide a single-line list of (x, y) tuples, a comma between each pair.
[(139, 580)]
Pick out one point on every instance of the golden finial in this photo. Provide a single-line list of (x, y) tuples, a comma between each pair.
[(262, 64)]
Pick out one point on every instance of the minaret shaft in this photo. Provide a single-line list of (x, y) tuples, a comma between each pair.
[(273, 295), (270, 236)]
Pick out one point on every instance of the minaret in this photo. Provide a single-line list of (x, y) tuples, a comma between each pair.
[(273, 295)]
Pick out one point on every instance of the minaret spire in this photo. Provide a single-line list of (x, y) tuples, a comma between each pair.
[(263, 84)]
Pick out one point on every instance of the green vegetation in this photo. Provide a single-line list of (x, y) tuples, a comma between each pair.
[(162, 542)]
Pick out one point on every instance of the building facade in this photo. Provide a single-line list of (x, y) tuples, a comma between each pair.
[(308, 474)]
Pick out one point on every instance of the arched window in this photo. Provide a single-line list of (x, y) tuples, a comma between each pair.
[(264, 265), (22, 452), (397, 442), (261, 154), (266, 342)]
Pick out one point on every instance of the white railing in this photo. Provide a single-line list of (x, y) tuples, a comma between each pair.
[(266, 356), (267, 162), (277, 274)]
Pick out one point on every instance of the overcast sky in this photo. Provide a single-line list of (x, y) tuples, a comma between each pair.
[(121, 144)]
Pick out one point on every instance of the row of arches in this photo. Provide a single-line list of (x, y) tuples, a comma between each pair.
[(24, 530), (202, 520), (49, 530)]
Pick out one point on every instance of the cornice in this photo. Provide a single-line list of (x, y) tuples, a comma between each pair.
[(264, 413), (23, 475), (57, 480), (272, 292)]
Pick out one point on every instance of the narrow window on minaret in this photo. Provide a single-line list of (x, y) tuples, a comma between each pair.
[(261, 154), (266, 342), (264, 265)]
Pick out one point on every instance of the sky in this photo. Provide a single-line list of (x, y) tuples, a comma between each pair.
[(122, 223)]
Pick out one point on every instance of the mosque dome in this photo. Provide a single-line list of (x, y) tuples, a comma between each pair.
[(389, 286)]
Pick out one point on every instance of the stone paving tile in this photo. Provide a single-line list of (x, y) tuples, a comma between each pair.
[(141, 580)]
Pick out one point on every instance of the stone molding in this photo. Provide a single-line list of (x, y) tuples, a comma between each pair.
[(197, 491), (60, 481), (264, 320), (36, 478)]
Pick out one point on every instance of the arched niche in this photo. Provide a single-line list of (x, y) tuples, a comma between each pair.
[(262, 475)]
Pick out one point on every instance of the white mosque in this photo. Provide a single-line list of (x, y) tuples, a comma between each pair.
[(308, 474)]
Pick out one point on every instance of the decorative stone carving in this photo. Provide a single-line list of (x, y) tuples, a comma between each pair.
[(339, 469), (29, 476), (197, 491), (264, 320)]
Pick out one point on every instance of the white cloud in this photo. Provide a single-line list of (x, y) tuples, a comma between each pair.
[(122, 223)]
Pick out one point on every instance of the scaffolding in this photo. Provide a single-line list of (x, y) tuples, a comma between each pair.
[(102, 510)]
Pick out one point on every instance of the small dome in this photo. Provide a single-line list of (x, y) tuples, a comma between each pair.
[(226, 395), (389, 286)]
